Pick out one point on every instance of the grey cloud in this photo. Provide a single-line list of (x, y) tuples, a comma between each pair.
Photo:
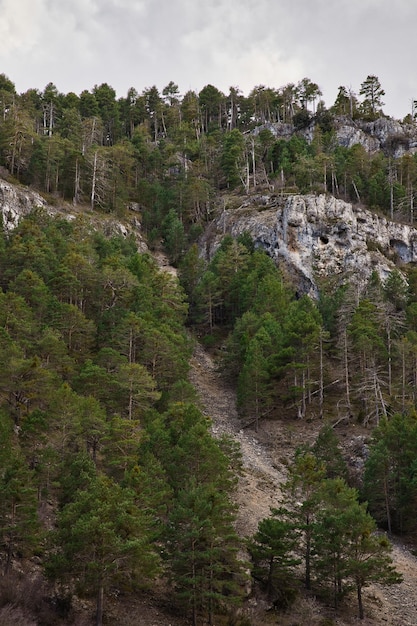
[(138, 43)]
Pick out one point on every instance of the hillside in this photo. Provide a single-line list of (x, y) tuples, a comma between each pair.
[(265, 455), (267, 450), (208, 338)]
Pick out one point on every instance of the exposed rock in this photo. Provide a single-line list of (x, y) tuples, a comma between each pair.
[(17, 201), (280, 130), (319, 236), (349, 134), (383, 133)]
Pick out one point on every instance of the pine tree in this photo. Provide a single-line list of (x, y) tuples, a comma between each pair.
[(373, 93), (368, 344), (302, 330), (347, 551), (273, 549), (254, 379), (370, 556), (305, 477), (202, 550), (328, 452), (201, 544), (19, 523), (389, 478), (330, 539), (102, 538)]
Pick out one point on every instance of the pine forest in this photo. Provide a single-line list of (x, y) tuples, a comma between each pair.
[(113, 486)]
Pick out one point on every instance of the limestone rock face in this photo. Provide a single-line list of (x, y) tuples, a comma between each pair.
[(384, 133), (349, 135), (16, 202), (319, 236)]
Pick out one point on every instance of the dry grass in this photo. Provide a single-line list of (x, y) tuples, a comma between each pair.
[(24, 599)]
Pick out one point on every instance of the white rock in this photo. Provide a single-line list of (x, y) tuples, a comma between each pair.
[(319, 235)]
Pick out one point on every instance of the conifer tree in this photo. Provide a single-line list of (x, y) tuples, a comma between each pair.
[(347, 552), (373, 93), (202, 549), (102, 538), (201, 544), (254, 380), (19, 523), (389, 478), (305, 477), (273, 550)]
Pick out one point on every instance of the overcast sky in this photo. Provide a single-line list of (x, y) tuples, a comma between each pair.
[(77, 44)]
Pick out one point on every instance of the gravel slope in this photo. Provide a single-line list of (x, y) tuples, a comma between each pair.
[(259, 489)]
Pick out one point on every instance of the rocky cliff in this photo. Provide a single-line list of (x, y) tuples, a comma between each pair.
[(313, 236), (317, 236), (17, 201), (386, 134), (383, 134)]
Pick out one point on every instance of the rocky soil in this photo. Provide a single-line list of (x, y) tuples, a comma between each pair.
[(259, 485), (264, 456)]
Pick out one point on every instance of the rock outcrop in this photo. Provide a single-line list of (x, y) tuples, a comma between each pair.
[(319, 236), (386, 134), (313, 236), (17, 201)]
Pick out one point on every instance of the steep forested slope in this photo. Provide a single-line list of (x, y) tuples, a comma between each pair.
[(111, 480), (265, 458), (97, 417)]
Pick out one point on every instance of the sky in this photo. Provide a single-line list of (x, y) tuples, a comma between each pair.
[(77, 44)]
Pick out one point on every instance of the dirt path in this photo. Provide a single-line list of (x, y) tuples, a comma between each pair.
[(259, 489)]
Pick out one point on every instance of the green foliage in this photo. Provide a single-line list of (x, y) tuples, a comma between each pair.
[(95, 354), (396, 290), (346, 549), (210, 101), (201, 544), (19, 524), (328, 529), (373, 93), (273, 335), (285, 154), (254, 379), (174, 236), (233, 157), (365, 329), (92, 343), (101, 540), (327, 451), (191, 270), (302, 119), (329, 304), (160, 151), (203, 552), (272, 549), (390, 473)]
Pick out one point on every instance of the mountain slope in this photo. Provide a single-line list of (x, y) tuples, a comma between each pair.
[(317, 236), (264, 457)]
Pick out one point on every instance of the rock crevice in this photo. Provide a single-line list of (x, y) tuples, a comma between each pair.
[(317, 236)]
